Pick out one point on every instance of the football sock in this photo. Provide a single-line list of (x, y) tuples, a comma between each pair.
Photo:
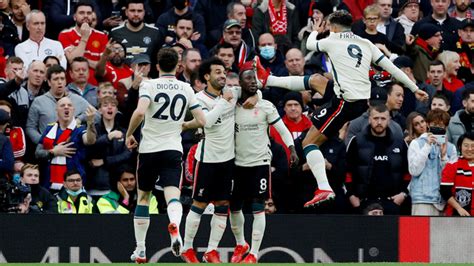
[(296, 83), (237, 221), (192, 225), (218, 225), (316, 163), (175, 211), (258, 228), (141, 221)]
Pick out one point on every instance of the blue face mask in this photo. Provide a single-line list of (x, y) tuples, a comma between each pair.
[(267, 52), (74, 193)]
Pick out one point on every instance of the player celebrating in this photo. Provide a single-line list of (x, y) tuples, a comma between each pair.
[(351, 58), (214, 159), (252, 159), (163, 104)]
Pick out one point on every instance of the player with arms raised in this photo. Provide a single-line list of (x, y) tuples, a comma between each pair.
[(162, 105)]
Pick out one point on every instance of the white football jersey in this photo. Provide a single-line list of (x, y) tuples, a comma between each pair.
[(351, 57), (170, 98), (218, 142), (252, 144)]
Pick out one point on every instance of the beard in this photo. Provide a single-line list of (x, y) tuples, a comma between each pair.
[(135, 24), (117, 60)]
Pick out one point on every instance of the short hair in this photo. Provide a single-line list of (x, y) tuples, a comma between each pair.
[(380, 108), (341, 18), (438, 116), (193, 77), (205, 67), (436, 63), (185, 17), (230, 8), (187, 51), (104, 85), (447, 56), (79, 59), (391, 85), (84, 3), (33, 12), (167, 59), (28, 166), (468, 135), (14, 60), (466, 94), (224, 45), (6, 103), (439, 95), (107, 100), (372, 9), (134, 2), (55, 69), (232, 75), (51, 57), (71, 172)]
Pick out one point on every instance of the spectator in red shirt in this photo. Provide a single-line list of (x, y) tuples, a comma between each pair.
[(450, 60)]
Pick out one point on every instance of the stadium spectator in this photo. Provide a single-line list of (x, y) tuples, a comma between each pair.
[(225, 52), (8, 32), (373, 209), (79, 73), (108, 152), (395, 98), (191, 61), (213, 23), (409, 14), (416, 126), (377, 149), (436, 73), (461, 10), (43, 108), (6, 152), (456, 179), (112, 13), (460, 123), (112, 66), (83, 40), (72, 198), (122, 199), (19, 10), (280, 18), (62, 145), (271, 57), (450, 60), (37, 47), (465, 49), (17, 138), (440, 102), (42, 201), (237, 11), (427, 156), (50, 60)]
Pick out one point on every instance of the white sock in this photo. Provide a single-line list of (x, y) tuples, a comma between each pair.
[(141, 228), (175, 212), (315, 160), (258, 229), (192, 224), (218, 225), (237, 221), (291, 82)]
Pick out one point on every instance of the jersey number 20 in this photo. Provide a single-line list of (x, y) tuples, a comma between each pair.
[(172, 104)]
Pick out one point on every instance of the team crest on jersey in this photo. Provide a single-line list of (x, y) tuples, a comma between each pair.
[(48, 52), (147, 40), (95, 44), (463, 197)]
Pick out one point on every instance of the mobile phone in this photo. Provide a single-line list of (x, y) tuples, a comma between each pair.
[(440, 139), (116, 13)]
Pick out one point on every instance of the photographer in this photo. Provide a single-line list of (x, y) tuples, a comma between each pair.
[(427, 156), (41, 200)]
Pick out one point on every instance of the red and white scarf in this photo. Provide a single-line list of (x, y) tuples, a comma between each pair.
[(278, 20), (57, 166)]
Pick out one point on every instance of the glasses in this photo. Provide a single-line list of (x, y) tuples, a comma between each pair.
[(117, 50), (78, 180), (233, 32), (372, 18)]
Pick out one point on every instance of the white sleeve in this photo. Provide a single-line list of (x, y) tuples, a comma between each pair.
[(399, 75), (213, 115), (143, 90), (312, 44), (284, 133), (417, 157)]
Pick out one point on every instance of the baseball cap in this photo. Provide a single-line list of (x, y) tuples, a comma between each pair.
[(466, 23), (377, 96), (141, 59), (231, 23)]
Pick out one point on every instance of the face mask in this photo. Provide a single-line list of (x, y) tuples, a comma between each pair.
[(74, 193), (179, 4), (267, 52)]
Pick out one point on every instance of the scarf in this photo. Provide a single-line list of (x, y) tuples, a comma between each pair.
[(57, 166), (430, 51), (278, 21), (465, 51)]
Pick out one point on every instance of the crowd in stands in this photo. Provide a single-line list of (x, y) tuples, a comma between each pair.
[(71, 71)]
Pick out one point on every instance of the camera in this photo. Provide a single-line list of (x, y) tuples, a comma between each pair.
[(12, 195)]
